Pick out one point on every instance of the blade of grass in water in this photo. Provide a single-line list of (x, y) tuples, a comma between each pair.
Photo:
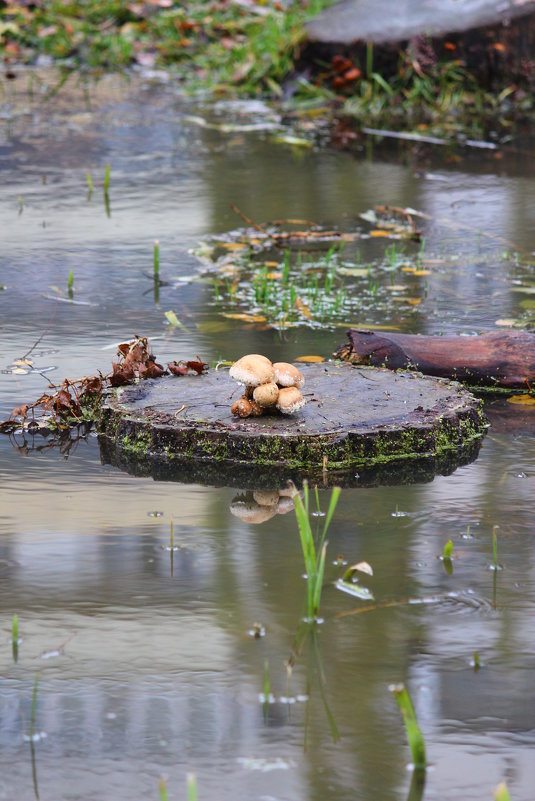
[(34, 706), (414, 733), (162, 789), (501, 793), (15, 637), (107, 178), (495, 546), (191, 780), (314, 563), (156, 259)]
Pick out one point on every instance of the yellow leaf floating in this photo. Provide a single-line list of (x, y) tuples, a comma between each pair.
[(271, 264), (310, 359), (380, 232), (233, 245), (522, 400), (303, 309), (274, 276), (413, 301), (422, 272), (246, 318)]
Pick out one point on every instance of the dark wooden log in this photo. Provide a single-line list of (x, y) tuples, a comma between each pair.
[(497, 359)]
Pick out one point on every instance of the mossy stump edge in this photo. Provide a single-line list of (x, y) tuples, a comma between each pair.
[(355, 418)]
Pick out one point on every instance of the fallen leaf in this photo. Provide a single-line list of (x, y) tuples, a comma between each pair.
[(172, 319), (376, 232), (246, 318), (310, 359), (522, 400), (302, 308), (508, 322)]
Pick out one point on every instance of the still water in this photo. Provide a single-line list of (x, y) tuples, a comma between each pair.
[(146, 661)]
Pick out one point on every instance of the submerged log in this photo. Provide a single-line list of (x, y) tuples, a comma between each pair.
[(498, 359), (355, 418)]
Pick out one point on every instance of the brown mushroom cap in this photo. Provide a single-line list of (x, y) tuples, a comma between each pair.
[(266, 394), (290, 400), (286, 375), (252, 370), (242, 407)]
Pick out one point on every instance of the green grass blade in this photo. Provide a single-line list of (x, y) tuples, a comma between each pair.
[(34, 706), (318, 582), (414, 733), (191, 781), (495, 546), (156, 259), (305, 532), (107, 178), (162, 789), (335, 494), (501, 793)]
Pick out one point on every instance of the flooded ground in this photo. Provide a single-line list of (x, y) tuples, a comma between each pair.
[(145, 653)]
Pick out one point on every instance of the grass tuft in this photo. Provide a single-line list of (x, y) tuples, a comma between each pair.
[(314, 553)]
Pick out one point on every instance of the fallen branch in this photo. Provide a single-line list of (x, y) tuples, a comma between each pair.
[(496, 359)]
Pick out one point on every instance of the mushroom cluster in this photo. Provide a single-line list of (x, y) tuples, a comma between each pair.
[(268, 387)]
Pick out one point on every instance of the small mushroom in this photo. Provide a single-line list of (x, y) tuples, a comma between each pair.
[(290, 400), (241, 407), (286, 375), (252, 370), (266, 394), (256, 409)]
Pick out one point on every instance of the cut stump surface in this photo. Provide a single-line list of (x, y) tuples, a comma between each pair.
[(354, 418)]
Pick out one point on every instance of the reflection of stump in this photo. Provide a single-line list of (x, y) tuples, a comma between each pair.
[(354, 418)]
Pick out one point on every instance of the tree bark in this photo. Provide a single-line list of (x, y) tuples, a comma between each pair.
[(497, 359)]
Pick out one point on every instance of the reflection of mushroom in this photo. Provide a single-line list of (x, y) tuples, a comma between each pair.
[(251, 512), (266, 497), (286, 375), (290, 400), (262, 505), (285, 505)]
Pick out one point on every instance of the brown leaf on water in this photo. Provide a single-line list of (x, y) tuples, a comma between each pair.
[(177, 368), (20, 411), (183, 367), (302, 308)]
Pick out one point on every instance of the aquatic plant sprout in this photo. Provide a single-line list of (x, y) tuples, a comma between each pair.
[(414, 733)]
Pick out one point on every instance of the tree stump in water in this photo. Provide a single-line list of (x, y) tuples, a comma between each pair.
[(364, 419)]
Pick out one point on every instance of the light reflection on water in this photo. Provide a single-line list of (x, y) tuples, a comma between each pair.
[(146, 663)]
